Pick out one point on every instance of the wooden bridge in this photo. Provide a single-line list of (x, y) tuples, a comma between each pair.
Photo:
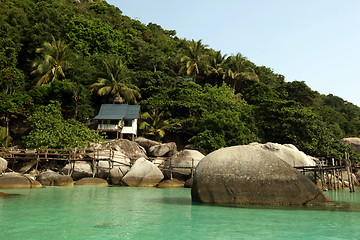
[(30, 158)]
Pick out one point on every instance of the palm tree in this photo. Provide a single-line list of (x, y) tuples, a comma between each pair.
[(154, 124), (216, 65), (239, 68), (194, 59), (117, 81), (55, 59)]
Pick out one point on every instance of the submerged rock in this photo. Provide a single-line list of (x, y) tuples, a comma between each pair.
[(252, 175), (90, 181), (171, 183)]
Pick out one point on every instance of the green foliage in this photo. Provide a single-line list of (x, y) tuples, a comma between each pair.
[(48, 129), (90, 36), (15, 105), (55, 58), (154, 125), (11, 79), (117, 81), (121, 57), (223, 128)]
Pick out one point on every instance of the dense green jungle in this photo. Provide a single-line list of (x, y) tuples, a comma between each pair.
[(61, 59)]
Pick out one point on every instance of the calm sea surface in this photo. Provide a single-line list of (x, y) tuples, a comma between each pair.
[(149, 213)]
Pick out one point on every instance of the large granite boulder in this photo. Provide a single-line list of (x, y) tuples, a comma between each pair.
[(91, 181), (17, 181), (181, 163), (252, 175), (50, 178), (353, 142), (143, 174), (81, 169), (288, 153), (3, 165)]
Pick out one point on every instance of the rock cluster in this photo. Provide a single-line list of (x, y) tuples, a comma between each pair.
[(135, 164)]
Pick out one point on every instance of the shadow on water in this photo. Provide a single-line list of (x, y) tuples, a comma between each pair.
[(9, 195), (336, 207), (172, 201)]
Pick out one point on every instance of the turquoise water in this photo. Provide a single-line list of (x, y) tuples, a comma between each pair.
[(151, 213)]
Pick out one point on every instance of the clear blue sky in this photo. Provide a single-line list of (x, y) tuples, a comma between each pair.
[(316, 41)]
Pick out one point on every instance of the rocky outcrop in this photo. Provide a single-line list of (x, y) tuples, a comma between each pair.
[(143, 174), (17, 181), (131, 149), (252, 175), (81, 169), (288, 153), (90, 181), (181, 164), (3, 165), (50, 178), (354, 143)]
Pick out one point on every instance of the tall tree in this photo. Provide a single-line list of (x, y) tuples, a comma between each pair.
[(194, 59), (216, 66), (155, 124), (116, 82), (55, 59), (239, 68)]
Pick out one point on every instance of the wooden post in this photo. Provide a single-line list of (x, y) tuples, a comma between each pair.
[(170, 169), (348, 172), (192, 167)]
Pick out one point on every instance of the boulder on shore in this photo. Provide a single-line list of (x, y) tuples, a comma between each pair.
[(143, 174), (131, 149), (117, 173), (50, 178), (81, 169), (17, 181), (252, 175), (3, 165), (181, 164), (353, 142), (146, 143)]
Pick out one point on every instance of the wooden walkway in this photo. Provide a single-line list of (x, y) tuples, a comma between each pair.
[(35, 157), (335, 175), (32, 158)]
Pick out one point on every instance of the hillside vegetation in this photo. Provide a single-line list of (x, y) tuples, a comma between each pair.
[(61, 59)]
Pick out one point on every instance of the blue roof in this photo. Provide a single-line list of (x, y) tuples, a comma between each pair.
[(118, 111)]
